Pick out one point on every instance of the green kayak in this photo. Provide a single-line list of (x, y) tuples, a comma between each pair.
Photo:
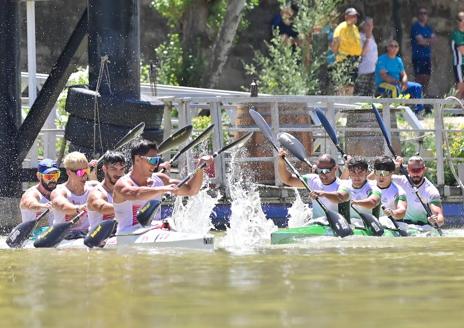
[(292, 235)]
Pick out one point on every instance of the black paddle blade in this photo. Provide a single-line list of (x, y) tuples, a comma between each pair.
[(263, 126), (372, 223), (148, 211), (19, 234), (100, 233), (327, 126), (237, 143), (338, 223), (131, 135), (202, 137), (175, 139), (53, 235), (22, 231), (294, 146)]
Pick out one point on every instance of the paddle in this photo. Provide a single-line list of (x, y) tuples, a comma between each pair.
[(56, 233), (131, 135), (205, 134), (330, 130), (145, 214), (175, 139), (22, 231), (291, 141), (337, 222), (371, 222), (100, 233), (402, 169), (402, 232)]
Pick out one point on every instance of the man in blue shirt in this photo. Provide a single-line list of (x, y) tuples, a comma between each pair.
[(422, 38), (391, 78)]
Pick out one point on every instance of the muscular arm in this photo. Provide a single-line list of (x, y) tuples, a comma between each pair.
[(370, 202), (190, 188), (286, 177), (334, 196), (60, 202), (438, 211), (400, 210), (124, 190), (30, 201), (99, 203)]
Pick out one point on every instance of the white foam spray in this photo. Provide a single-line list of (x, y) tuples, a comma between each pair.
[(299, 213)]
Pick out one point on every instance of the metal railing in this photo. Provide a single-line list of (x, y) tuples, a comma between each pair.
[(225, 103)]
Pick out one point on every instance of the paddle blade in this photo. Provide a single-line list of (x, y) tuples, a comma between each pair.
[(22, 231), (237, 143), (148, 211), (175, 139), (201, 137), (327, 126), (338, 223), (131, 135), (100, 233), (19, 234), (294, 146), (53, 235), (372, 223), (263, 126)]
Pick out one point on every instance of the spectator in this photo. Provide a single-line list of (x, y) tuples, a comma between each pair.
[(457, 46), (365, 82), (283, 21), (422, 38), (391, 78), (346, 44)]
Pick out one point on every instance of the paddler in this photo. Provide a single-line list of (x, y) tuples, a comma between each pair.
[(393, 196), (100, 200), (70, 198), (36, 199), (324, 178), (357, 190), (144, 183), (415, 213)]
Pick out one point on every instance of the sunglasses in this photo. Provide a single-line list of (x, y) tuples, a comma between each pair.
[(382, 173), (153, 160), (82, 172), (323, 171), (416, 169), (51, 176)]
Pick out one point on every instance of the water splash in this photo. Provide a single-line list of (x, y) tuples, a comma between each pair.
[(249, 227), (299, 213), (194, 217)]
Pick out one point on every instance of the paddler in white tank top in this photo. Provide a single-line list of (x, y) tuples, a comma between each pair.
[(357, 190), (415, 213), (393, 196), (142, 184), (100, 201), (36, 199), (324, 179), (70, 198)]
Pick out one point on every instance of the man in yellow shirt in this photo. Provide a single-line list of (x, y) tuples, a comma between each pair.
[(346, 44)]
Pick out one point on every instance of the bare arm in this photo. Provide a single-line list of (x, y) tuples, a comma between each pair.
[(60, 202), (437, 214), (124, 190), (286, 177), (98, 202), (423, 41), (30, 201), (370, 202), (387, 78), (334, 196), (335, 45), (461, 50)]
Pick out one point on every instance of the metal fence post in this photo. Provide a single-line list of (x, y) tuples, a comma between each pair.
[(218, 141), (275, 130), (439, 126)]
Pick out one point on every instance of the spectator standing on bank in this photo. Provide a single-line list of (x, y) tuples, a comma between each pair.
[(365, 82), (422, 39), (457, 47), (391, 78), (284, 22), (346, 44)]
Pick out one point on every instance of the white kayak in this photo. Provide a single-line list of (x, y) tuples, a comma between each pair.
[(148, 237)]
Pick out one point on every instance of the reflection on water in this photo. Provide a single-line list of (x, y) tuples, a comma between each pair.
[(323, 282)]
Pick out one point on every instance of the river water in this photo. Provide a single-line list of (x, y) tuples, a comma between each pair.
[(322, 282)]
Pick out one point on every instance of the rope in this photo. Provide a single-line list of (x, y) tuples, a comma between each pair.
[(448, 152)]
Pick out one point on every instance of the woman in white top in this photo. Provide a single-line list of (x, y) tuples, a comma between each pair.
[(365, 82)]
